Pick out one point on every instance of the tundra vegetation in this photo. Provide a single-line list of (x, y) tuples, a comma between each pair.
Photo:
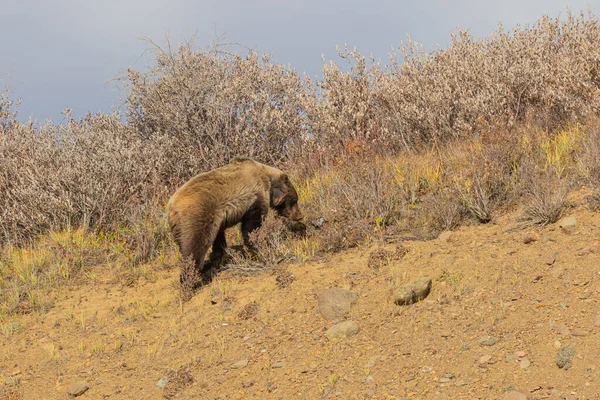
[(419, 144)]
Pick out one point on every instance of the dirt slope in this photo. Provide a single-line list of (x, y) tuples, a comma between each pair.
[(528, 298)]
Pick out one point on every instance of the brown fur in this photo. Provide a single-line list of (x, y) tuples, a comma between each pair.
[(241, 191)]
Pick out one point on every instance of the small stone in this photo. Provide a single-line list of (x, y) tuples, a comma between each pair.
[(341, 330), (514, 395), (531, 237), (369, 379), (564, 356), (488, 341), (567, 224), (335, 303), (12, 380), (510, 357), (239, 364), (162, 382), (520, 354), (460, 382), (563, 330), (445, 236), (77, 388), (413, 292), (597, 321), (557, 344), (444, 380), (278, 364), (580, 333), (485, 359), (525, 363), (550, 260)]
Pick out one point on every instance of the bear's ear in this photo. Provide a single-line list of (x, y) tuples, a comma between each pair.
[(278, 191)]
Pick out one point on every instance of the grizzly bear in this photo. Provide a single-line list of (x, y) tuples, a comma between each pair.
[(241, 191)]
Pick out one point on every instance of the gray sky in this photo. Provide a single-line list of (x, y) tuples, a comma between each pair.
[(62, 53)]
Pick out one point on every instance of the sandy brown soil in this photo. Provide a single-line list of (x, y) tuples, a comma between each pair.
[(530, 298)]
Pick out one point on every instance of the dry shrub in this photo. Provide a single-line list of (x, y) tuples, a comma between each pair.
[(548, 70), (269, 247), (341, 108), (177, 381), (148, 234), (546, 198), (487, 180), (381, 257), (249, 311), (216, 105), (284, 278), (189, 280), (590, 163), (444, 210), (94, 172)]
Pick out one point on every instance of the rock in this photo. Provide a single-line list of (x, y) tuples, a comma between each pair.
[(162, 382), (579, 333), (520, 354), (239, 364), (597, 321), (318, 223), (567, 224), (564, 356), (488, 341), (335, 303), (444, 380), (445, 236), (485, 359), (549, 260), (525, 363), (341, 330), (459, 383), (563, 330), (531, 237), (413, 292), (77, 388), (12, 380), (278, 364), (514, 395)]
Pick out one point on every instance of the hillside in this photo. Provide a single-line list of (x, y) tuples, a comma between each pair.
[(502, 301)]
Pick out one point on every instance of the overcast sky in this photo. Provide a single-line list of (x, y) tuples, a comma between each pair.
[(63, 53)]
